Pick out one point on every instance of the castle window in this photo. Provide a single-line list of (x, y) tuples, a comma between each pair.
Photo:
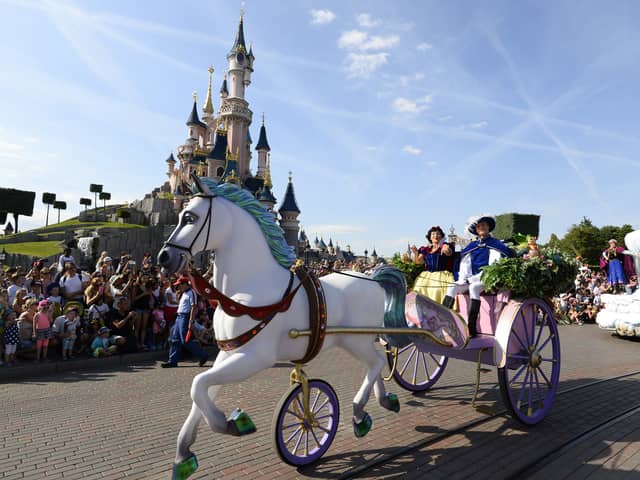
[(219, 172)]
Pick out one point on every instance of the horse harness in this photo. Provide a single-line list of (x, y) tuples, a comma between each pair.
[(264, 314)]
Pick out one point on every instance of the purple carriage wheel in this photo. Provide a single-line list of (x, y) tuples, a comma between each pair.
[(415, 370), (529, 379), (298, 441)]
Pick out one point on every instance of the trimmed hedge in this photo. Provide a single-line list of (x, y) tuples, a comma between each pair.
[(509, 224)]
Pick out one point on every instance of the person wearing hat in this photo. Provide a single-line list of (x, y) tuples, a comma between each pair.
[(437, 259), (184, 323), (479, 253), (102, 345)]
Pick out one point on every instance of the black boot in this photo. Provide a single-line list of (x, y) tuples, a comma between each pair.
[(474, 309), (448, 301)]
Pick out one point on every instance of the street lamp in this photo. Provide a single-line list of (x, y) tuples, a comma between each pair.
[(3, 256), (366, 252)]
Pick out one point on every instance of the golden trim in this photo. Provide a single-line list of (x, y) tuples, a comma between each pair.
[(295, 333)]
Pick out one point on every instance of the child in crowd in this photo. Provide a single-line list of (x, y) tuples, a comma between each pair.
[(10, 337), (159, 325), (98, 315), (42, 330), (54, 299), (101, 347), (70, 328)]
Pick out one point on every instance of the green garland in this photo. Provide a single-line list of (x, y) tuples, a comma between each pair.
[(546, 276)]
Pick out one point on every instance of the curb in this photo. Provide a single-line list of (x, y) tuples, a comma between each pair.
[(26, 370)]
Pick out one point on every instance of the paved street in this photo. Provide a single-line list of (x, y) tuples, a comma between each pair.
[(122, 423)]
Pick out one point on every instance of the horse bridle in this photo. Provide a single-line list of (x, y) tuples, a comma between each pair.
[(207, 222)]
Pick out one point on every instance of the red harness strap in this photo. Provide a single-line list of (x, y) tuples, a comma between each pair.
[(235, 309)]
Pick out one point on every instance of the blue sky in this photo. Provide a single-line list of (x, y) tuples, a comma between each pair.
[(392, 116)]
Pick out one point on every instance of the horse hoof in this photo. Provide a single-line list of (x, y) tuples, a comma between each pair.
[(185, 468), (360, 429), (239, 423), (391, 402)]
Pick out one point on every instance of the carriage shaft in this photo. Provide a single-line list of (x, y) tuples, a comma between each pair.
[(295, 333)]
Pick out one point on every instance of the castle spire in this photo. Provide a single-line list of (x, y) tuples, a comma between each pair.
[(267, 178), (263, 144), (289, 203), (193, 117), (224, 91), (207, 108), (239, 45)]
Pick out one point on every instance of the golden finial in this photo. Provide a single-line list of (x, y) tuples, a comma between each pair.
[(263, 119), (241, 11), (195, 96), (289, 176), (208, 104)]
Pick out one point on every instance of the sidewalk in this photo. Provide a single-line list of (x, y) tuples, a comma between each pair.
[(27, 369)]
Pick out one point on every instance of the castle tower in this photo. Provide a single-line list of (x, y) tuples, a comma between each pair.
[(289, 213), (171, 165), (263, 149), (196, 128), (234, 110)]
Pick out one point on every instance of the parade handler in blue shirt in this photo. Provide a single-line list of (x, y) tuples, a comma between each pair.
[(479, 253), (183, 324)]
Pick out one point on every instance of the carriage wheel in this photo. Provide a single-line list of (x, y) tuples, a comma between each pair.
[(529, 380), (298, 441), (416, 371)]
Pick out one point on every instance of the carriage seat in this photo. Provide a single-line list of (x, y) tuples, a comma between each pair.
[(445, 325), (490, 309)]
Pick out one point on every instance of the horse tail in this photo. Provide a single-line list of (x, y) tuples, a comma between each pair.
[(394, 283)]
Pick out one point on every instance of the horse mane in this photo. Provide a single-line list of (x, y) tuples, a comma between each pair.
[(273, 234)]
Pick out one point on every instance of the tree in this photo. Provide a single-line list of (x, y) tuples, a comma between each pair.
[(86, 202), (60, 206), (17, 202), (123, 214), (104, 196), (48, 199), (95, 189)]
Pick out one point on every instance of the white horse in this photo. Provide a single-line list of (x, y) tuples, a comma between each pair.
[(251, 267)]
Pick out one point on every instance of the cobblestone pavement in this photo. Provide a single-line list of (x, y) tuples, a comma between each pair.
[(123, 423)]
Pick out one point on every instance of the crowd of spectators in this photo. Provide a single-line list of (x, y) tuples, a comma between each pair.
[(122, 306), (582, 304)]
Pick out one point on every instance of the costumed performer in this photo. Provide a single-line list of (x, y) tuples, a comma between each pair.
[(615, 263), (182, 329), (484, 251), (437, 258)]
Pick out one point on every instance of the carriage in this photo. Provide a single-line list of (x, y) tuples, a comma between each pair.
[(261, 322)]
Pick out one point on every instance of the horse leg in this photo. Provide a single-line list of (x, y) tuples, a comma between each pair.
[(232, 369), (363, 349)]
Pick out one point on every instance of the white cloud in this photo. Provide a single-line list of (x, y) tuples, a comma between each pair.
[(365, 20), (481, 124), (424, 46), (431, 163), (359, 40), (405, 80), (404, 105), (360, 65), (445, 118), (322, 17), (411, 150)]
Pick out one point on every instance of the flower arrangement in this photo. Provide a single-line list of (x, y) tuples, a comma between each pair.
[(546, 274)]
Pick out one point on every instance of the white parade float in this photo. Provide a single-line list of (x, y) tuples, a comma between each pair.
[(621, 313)]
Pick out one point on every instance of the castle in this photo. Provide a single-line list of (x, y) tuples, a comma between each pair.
[(219, 146)]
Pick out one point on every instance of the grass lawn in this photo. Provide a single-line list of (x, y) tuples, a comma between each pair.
[(35, 249)]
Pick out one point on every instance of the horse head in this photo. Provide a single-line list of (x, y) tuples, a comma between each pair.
[(195, 231)]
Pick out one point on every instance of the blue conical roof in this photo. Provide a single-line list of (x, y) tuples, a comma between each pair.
[(193, 118), (219, 150), (223, 88), (262, 140), (171, 158), (239, 44), (267, 196), (289, 203)]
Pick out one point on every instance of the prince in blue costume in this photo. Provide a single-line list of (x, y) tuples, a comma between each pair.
[(479, 253)]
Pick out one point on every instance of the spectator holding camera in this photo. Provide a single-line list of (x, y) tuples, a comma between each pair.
[(121, 322)]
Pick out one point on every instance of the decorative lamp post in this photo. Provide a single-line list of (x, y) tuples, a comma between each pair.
[(366, 252), (3, 256)]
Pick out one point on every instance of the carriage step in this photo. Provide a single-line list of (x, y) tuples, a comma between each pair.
[(239, 423), (185, 468)]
